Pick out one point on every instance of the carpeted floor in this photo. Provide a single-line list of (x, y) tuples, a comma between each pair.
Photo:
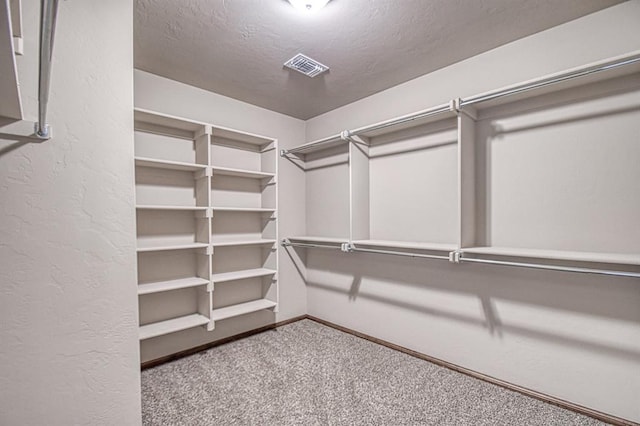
[(309, 374)]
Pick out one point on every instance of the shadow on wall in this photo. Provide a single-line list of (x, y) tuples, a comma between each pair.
[(450, 291)]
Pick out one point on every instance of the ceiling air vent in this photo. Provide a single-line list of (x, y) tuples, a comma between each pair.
[(305, 65)]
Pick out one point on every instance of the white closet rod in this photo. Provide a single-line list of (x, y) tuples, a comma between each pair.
[(351, 248), (553, 267), (399, 120), (286, 243), (548, 81), (48, 15)]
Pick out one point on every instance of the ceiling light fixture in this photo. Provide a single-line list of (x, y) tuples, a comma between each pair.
[(308, 5)]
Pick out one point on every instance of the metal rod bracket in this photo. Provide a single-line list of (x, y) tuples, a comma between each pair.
[(455, 256), (283, 152), (346, 247)]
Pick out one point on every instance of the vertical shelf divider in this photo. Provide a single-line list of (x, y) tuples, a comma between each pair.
[(203, 199), (466, 176), (359, 218)]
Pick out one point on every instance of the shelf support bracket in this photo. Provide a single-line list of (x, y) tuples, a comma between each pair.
[(455, 256)]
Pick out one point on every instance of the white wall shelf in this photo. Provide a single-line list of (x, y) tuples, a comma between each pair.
[(176, 284), (171, 326), (575, 256), (172, 156), (242, 275), (164, 207), (166, 164), (242, 309), (154, 246), (243, 209), (242, 243), (250, 174)]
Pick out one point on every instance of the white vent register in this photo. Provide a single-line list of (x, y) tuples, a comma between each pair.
[(305, 65)]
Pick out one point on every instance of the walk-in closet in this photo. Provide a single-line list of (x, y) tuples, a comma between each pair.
[(320, 212)]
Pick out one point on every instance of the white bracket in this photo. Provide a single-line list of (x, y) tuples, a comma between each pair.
[(211, 286), (24, 131), (18, 46), (283, 152), (346, 247), (345, 135), (455, 256), (456, 106)]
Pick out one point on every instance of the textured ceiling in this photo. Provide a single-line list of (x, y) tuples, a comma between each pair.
[(237, 47)]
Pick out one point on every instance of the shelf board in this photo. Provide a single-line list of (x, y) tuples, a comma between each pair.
[(165, 120), (171, 326), (407, 245), (241, 275), (314, 239), (178, 208), (243, 209), (162, 247), (226, 171), (241, 309), (318, 145), (577, 256), (241, 243), (160, 286), (166, 164)]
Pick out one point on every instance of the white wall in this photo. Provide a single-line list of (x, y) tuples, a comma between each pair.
[(572, 336), (68, 312), (168, 96)]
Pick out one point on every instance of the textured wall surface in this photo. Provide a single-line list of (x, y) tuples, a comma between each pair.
[(170, 97), (573, 336), (68, 311)]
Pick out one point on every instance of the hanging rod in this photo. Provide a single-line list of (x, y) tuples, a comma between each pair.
[(48, 15), (552, 267), (342, 136), (400, 120), (286, 243), (551, 80)]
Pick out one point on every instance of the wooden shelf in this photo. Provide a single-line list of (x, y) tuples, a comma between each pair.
[(241, 275), (576, 256), (160, 286), (241, 243), (162, 247), (241, 309), (407, 245), (171, 326), (166, 164), (243, 209), (177, 208), (226, 171)]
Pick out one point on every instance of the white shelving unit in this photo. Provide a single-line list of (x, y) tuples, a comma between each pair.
[(492, 189), (203, 190)]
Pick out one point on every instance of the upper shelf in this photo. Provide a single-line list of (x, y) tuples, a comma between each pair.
[(598, 71), (315, 146), (576, 256), (313, 239), (11, 105), (157, 122)]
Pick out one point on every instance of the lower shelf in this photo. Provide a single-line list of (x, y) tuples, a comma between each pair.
[(241, 309), (160, 286), (241, 275), (171, 326), (612, 258)]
